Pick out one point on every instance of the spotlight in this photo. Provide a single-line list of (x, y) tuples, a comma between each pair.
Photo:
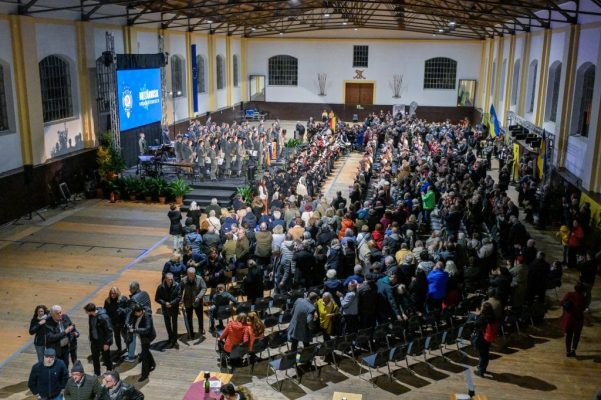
[(441, 30), (452, 23), (209, 21), (326, 15)]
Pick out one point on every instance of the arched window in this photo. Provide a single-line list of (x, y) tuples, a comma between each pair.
[(440, 73), (220, 72), (515, 82), (583, 99), (55, 82), (235, 68), (283, 71), (178, 75), (201, 70), (531, 94), (553, 91), (3, 104), (502, 84)]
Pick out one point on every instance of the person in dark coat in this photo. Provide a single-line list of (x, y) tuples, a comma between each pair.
[(114, 389), (368, 302), (304, 263), (48, 378), (140, 323), (137, 297), (81, 386), (175, 225), (253, 282), (168, 295), (387, 304), (193, 290), (116, 308), (303, 312), (60, 334), (37, 328), (538, 273), (101, 336)]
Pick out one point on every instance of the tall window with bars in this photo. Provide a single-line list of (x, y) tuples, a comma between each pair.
[(55, 82), (553, 92), (235, 68), (201, 71), (220, 72), (440, 73), (3, 104), (515, 82), (283, 71), (178, 75), (583, 99), (532, 71), (360, 56)]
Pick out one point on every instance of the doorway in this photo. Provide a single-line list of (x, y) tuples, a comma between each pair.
[(257, 87), (359, 93)]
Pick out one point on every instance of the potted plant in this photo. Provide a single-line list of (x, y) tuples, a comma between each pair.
[(113, 188), (160, 187), (246, 192), (147, 186), (179, 188), (132, 186), (110, 162)]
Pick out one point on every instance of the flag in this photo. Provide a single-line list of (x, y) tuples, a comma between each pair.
[(333, 124), (541, 161), (494, 126)]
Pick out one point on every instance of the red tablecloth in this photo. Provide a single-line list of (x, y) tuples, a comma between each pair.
[(197, 391)]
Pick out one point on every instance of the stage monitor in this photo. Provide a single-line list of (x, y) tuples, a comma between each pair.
[(139, 97)]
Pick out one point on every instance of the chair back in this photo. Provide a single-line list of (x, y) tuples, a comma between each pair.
[(224, 312), (397, 353), (260, 345), (307, 354), (277, 339), (239, 351), (288, 361)]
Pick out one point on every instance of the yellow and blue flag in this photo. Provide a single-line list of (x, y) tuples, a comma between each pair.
[(494, 126)]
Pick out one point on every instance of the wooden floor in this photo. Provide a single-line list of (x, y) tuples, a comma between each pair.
[(78, 254)]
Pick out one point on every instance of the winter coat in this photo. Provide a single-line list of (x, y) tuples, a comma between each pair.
[(387, 304), (429, 200), (333, 257), (437, 284), (302, 314), (573, 304), (176, 268), (89, 389), (101, 329), (124, 392), (194, 239), (193, 291), (145, 328), (168, 295), (54, 335), (253, 283), (143, 299), (378, 237), (234, 333), (48, 382), (175, 218), (264, 241), (346, 224), (325, 321), (38, 330), (576, 237)]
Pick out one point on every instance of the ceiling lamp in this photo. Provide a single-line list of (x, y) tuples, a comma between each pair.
[(209, 21), (326, 15), (440, 30), (452, 23)]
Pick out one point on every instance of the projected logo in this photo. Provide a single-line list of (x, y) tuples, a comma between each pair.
[(127, 101), (148, 97)]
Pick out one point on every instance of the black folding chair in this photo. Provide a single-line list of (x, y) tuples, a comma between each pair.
[(259, 346), (276, 340), (376, 361), (285, 363), (306, 356), (238, 354)]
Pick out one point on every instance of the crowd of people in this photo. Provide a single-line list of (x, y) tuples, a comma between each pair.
[(423, 229)]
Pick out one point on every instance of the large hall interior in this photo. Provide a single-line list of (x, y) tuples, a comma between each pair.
[(300, 199)]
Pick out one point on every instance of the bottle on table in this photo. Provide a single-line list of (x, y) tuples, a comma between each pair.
[(207, 382)]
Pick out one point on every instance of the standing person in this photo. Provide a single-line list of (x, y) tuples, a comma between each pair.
[(115, 305), (137, 297), (168, 295), (193, 290), (253, 282), (142, 145), (59, 332), (114, 389), (175, 227), (486, 326), (101, 336), (48, 378), (81, 386), (575, 240), (140, 323), (349, 303), (36, 327), (327, 309), (303, 312), (572, 319)]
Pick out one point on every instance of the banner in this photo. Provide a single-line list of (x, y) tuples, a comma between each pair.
[(194, 78), (516, 161)]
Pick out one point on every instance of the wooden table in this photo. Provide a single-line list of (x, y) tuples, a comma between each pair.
[(196, 390), (347, 396)]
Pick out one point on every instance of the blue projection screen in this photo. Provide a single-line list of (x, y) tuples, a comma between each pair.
[(139, 97)]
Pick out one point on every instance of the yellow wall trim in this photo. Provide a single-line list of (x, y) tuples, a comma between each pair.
[(394, 40), (509, 78), (84, 90), (500, 51), (243, 76), (21, 89), (568, 95), (544, 73), (524, 78), (211, 65), (480, 86), (189, 85), (228, 70), (491, 47)]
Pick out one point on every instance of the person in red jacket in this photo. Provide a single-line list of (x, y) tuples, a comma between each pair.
[(572, 319), (235, 332), (575, 239), (347, 223), (485, 333), (378, 236)]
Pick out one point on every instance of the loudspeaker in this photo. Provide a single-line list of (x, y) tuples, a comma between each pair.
[(28, 173), (107, 58)]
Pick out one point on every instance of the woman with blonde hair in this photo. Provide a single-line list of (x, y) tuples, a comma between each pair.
[(111, 305), (256, 329)]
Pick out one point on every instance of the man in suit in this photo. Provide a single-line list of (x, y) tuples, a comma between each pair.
[(142, 145), (101, 336), (168, 295)]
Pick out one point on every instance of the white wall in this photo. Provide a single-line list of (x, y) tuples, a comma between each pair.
[(536, 49), (176, 44), (100, 42), (203, 50), (220, 95), (385, 59), (556, 53), (10, 143), (146, 42), (59, 39), (236, 50), (518, 55)]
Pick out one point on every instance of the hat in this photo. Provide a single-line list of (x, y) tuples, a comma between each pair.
[(49, 352), (77, 367)]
